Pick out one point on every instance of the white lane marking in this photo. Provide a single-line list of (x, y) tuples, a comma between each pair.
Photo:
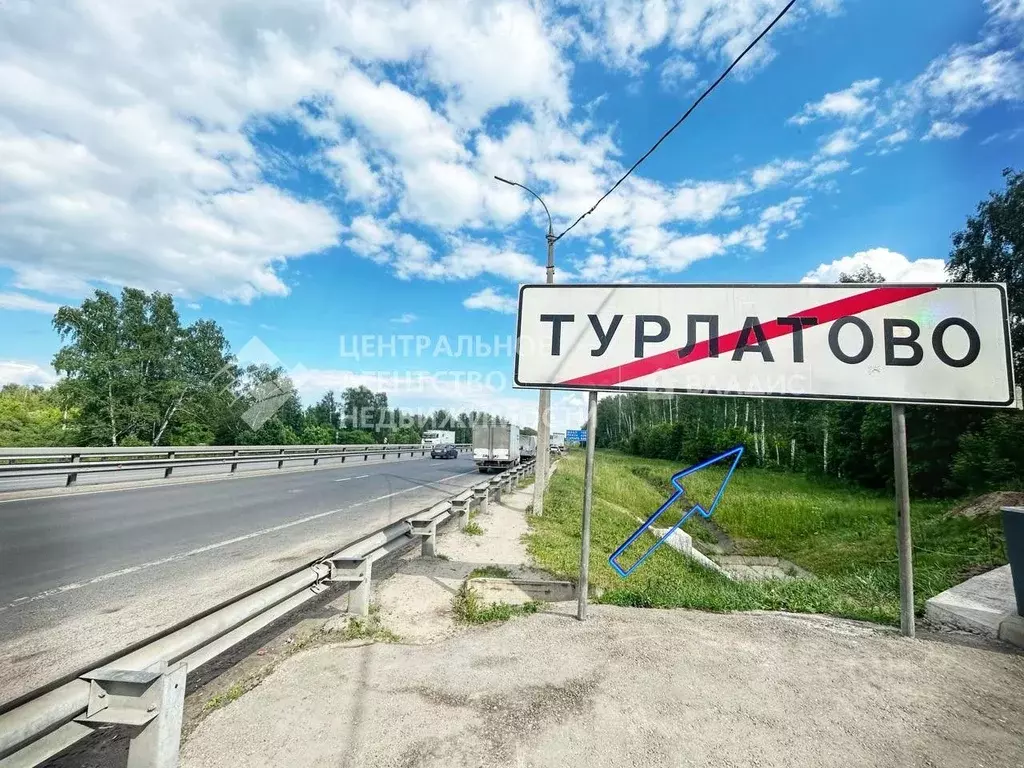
[(346, 479), (209, 547)]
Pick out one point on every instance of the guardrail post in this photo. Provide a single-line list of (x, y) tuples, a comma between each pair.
[(73, 476), (167, 471), (315, 460), (234, 467), (460, 508), (358, 573), (342, 455), (495, 485), (428, 532), (480, 496), (366, 454), (152, 700), (280, 463)]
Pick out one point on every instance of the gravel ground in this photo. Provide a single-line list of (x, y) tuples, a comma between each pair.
[(630, 687), (416, 601), (633, 687)]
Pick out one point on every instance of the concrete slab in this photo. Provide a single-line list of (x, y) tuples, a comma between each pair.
[(1011, 630), (978, 605)]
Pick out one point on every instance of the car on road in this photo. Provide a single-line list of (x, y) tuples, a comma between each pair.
[(444, 452)]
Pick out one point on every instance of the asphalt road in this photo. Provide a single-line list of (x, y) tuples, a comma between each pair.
[(84, 574)]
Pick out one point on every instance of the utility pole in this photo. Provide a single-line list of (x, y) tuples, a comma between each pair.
[(544, 405)]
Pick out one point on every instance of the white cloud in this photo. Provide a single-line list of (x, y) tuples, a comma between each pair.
[(942, 131), (964, 80), (464, 47), (852, 103), (677, 70), (126, 167), (15, 372), (135, 155), (410, 258), (469, 259), (775, 171), (969, 79), (896, 137), (784, 216), (405, 318), (842, 142), (1010, 135), (622, 33), (598, 268), (822, 169), (894, 267), (19, 301), (356, 177), (125, 149), (1011, 11), (490, 299)]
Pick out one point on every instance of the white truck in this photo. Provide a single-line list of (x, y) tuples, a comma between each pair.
[(495, 447), (558, 441), (438, 437), (527, 447)]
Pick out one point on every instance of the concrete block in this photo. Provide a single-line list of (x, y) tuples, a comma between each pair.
[(978, 605), (1011, 630), (519, 591)]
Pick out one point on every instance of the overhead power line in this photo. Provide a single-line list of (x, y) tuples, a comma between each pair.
[(679, 122)]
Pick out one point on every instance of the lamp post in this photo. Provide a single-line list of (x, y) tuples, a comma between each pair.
[(544, 405)]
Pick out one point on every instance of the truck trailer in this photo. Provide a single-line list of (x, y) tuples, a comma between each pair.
[(438, 437), (558, 441), (495, 447), (527, 447)]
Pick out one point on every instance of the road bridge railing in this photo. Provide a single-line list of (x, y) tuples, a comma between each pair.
[(143, 689), (71, 462)]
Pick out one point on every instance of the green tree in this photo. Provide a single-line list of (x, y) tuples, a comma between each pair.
[(132, 371), (30, 416), (991, 249)]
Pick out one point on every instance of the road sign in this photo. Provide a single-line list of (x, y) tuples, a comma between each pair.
[(733, 453), (901, 343), (576, 435)]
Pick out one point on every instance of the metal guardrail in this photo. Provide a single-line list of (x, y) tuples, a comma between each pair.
[(144, 689), (69, 461)]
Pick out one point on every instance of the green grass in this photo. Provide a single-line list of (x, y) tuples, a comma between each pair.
[(369, 628), (473, 528), (490, 572), (468, 609), (845, 536), (233, 693)]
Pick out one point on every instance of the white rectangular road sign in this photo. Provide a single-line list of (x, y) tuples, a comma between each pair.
[(900, 343)]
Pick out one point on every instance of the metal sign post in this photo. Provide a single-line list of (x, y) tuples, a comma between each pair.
[(903, 539), (934, 344), (588, 503)]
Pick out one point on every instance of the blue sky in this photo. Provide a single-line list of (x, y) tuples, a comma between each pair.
[(307, 171)]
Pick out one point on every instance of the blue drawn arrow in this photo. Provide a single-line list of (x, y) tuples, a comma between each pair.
[(737, 452)]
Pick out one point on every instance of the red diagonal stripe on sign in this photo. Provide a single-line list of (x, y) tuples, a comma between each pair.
[(824, 313)]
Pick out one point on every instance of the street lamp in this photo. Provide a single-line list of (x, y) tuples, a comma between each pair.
[(544, 404)]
